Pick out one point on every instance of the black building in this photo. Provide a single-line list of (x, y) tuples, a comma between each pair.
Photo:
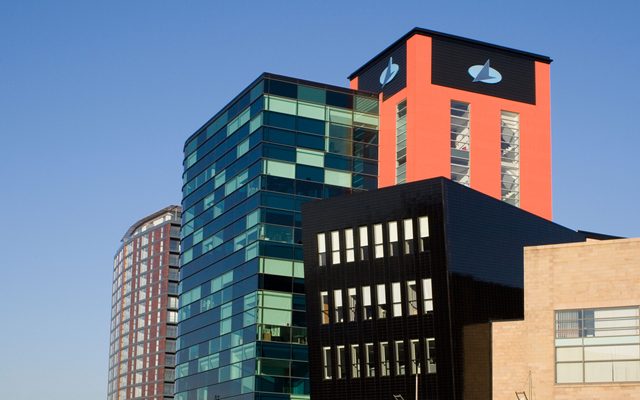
[(397, 278)]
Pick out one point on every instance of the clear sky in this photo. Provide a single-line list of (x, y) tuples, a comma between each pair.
[(97, 98)]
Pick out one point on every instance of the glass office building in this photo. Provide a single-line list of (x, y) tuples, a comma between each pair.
[(279, 144)]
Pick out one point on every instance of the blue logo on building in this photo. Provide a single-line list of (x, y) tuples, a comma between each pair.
[(389, 73), (484, 73)]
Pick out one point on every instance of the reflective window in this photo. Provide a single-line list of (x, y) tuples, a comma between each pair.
[(460, 142), (322, 250), (342, 362), (396, 297), (427, 295), (324, 303), (385, 359), (377, 237), (407, 225), (367, 308), (348, 237), (510, 157), (423, 226), (335, 247), (364, 243), (326, 362), (598, 345), (393, 239), (431, 355), (355, 361), (414, 343), (353, 300), (337, 299), (400, 358), (401, 142), (412, 297), (382, 301), (369, 360)]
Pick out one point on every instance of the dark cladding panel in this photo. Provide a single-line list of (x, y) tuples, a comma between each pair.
[(369, 80), (450, 67)]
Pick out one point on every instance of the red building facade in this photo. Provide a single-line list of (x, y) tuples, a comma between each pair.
[(466, 110), (144, 309)]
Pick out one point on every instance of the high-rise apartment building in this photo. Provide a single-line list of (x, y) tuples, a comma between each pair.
[(144, 308), (280, 143), (470, 111)]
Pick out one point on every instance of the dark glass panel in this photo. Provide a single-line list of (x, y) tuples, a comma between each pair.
[(283, 153), (308, 173), (277, 184), (279, 120), (309, 189), (284, 89), (279, 136), (311, 125), (339, 99), (278, 217), (337, 162), (310, 141)]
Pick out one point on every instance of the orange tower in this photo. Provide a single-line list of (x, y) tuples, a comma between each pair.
[(470, 111)]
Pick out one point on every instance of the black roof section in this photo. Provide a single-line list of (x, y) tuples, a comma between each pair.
[(268, 75), (428, 32)]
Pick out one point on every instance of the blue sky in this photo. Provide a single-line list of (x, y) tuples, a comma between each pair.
[(97, 98)]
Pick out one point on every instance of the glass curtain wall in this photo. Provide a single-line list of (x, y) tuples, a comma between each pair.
[(248, 171)]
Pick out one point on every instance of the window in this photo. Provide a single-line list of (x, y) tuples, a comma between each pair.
[(377, 238), (369, 359), (322, 250), (385, 368), (353, 299), (324, 301), (412, 298), (367, 309), (335, 247), (396, 297), (400, 359), (355, 361), (401, 142), (510, 157), (598, 345), (408, 236), (414, 343), (348, 237), (431, 355), (342, 363), (393, 239), (337, 299), (382, 301), (364, 243), (460, 142), (427, 296), (326, 362), (423, 226)]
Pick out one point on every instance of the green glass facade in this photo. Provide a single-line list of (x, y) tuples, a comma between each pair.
[(280, 143)]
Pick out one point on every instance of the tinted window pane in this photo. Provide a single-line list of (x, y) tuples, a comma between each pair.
[(280, 120), (337, 162), (312, 94), (310, 141), (311, 125), (339, 100), (279, 136), (283, 89), (308, 173)]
